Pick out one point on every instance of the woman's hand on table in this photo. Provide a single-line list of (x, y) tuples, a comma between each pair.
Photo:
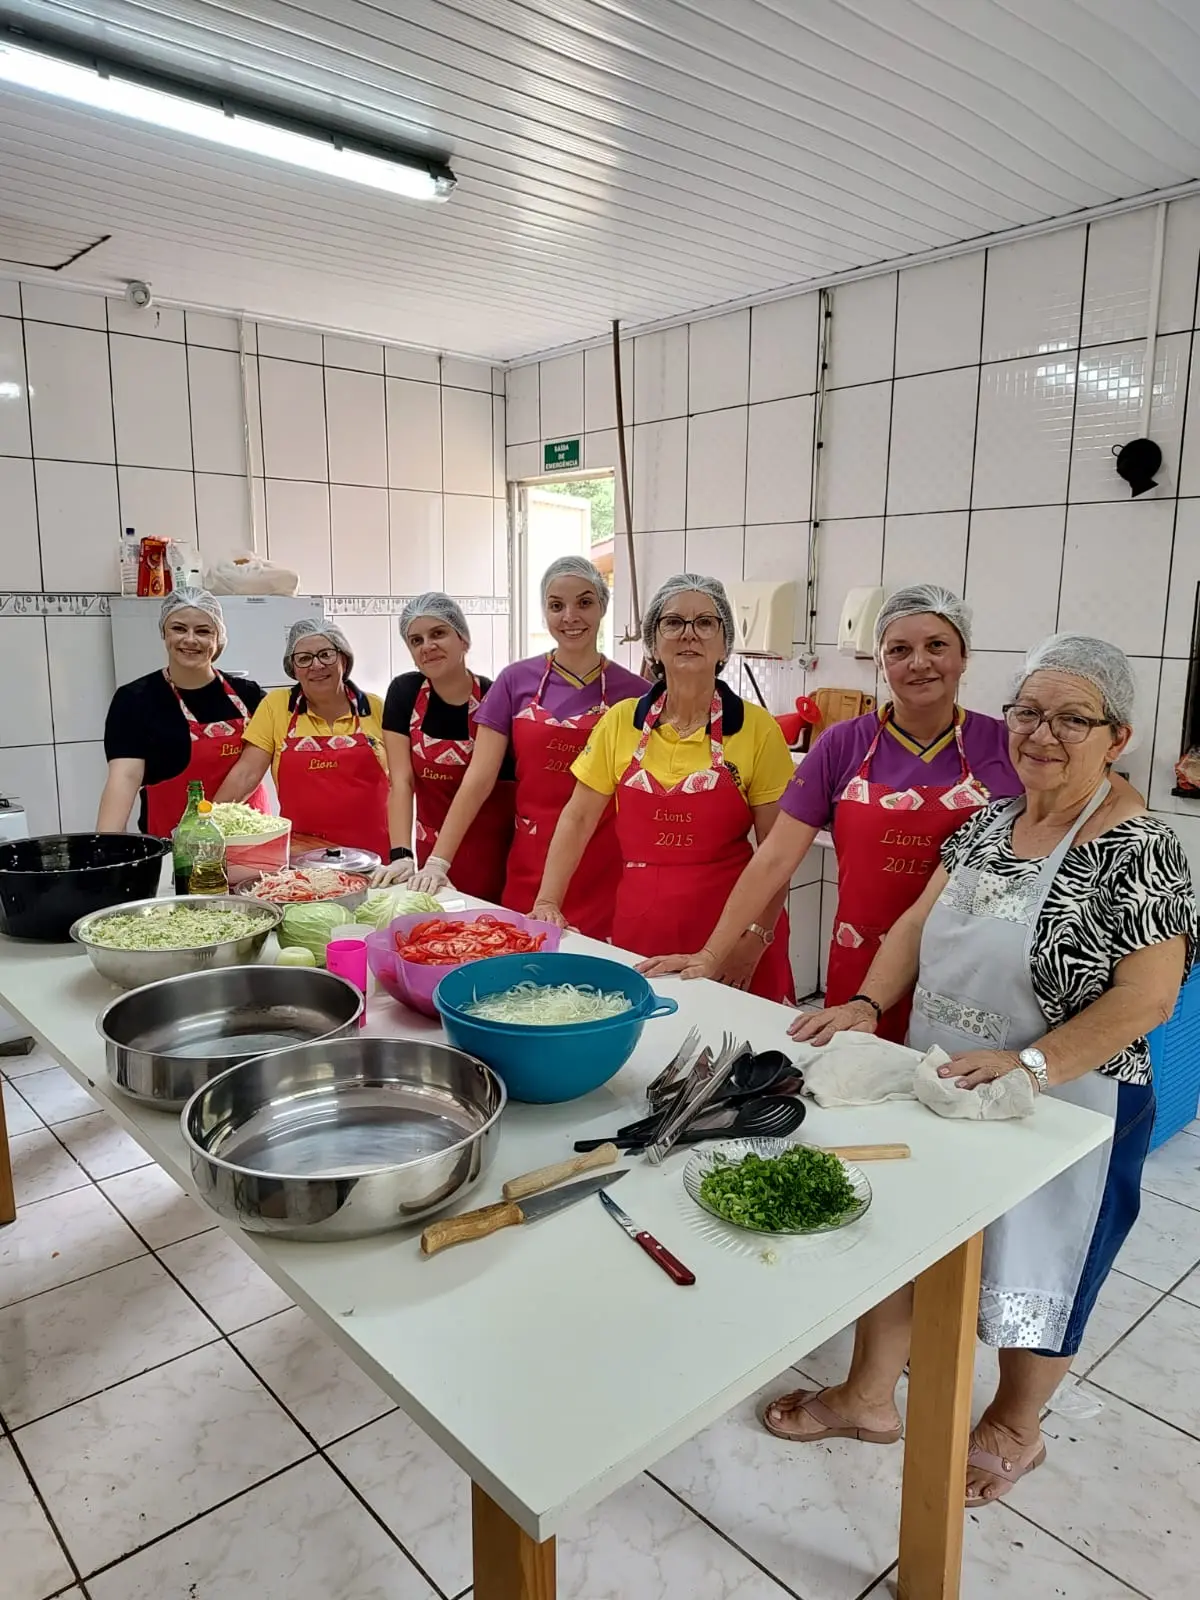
[(819, 1027), (703, 964), (433, 876), (547, 911), (400, 871), (737, 970), (975, 1067)]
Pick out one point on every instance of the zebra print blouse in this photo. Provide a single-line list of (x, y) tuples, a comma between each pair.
[(1118, 893)]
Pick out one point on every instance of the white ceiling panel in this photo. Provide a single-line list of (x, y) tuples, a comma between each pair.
[(629, 158)]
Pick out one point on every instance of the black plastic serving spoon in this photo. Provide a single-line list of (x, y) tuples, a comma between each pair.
[(763, 1117)]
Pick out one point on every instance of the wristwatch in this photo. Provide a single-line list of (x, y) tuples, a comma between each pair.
[(767, 935), (1034, 1063)]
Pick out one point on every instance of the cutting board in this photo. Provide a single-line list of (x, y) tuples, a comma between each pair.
[(840, 705)]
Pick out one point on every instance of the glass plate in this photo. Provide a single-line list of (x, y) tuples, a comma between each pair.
[(703, 1161)]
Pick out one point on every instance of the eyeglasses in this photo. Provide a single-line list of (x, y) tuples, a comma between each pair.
[(707, 626), (305, 659), (1066, 726)]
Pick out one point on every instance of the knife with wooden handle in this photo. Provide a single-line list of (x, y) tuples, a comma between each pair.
[(509, 1214), (866, 1152), (546, 1177)]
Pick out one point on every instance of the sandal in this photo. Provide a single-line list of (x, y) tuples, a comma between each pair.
[(1002, 1468), (832, 1425)]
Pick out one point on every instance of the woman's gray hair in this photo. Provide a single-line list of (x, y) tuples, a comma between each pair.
[(194, 600), (687, 583), (435, 604), (577, 567), (312, 628), (1095, 661), (918, 599)]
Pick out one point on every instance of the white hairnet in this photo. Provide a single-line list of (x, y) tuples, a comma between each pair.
[(195, 600), (577, 567), (1095, 661), (914, 601), (687, 583), (435, 604), (310, 628)]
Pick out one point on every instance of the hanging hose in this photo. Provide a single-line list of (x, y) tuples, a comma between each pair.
[(626, 496)]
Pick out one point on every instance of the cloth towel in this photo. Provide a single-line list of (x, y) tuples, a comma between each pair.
[(859, 1069)]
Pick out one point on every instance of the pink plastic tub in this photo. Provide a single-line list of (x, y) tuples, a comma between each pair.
[(411, 982)]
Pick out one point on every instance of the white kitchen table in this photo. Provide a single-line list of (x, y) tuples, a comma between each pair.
[(554, 1362)]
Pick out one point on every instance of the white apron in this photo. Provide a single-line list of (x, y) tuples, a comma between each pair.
[(975, 992)]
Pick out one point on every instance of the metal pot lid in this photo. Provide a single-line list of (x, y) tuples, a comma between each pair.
[(341, 857)]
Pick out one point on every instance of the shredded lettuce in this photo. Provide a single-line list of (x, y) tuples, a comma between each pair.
[(550, 1005), (238, 821), (173, 927)]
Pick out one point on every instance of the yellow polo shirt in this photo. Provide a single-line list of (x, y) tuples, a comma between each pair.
[(757, 752), (268, 727)]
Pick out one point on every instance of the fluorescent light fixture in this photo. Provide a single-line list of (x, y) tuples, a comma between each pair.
[(125, 90)]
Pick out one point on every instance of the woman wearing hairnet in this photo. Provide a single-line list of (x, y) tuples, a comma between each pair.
[(892, 786), (180, 725), (694, 770), (543, 710), (323, 742), (1051, 938), (429, 734)]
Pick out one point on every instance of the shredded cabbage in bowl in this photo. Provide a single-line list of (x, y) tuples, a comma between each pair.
[(550, 1005), (173, 927), (237, 820)]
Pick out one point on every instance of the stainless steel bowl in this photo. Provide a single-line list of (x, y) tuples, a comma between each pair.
[(343, 1139), (130, 969), (167, 1040)]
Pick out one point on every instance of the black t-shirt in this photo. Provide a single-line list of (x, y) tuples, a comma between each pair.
[(442, 720), (145, 723)]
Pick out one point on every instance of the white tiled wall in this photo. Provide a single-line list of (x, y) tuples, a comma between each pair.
[(377, 472), (969, 424)]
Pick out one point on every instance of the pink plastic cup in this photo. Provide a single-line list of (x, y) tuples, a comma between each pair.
[(347, 958)]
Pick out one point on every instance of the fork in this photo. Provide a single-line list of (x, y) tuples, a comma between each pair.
[(697, 1092), (665, 1083)]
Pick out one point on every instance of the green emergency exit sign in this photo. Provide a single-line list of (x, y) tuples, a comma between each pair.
[(561, 455)]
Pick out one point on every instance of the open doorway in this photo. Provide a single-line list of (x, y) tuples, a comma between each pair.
[(571, 514)]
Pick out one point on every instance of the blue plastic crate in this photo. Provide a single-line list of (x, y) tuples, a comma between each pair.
[(1175, 1052)]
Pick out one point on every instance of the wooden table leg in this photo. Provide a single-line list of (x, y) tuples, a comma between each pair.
[(941, 1366), (8, 1196), (509, 1565)]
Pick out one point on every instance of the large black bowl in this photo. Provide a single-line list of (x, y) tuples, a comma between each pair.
[(47, 883)]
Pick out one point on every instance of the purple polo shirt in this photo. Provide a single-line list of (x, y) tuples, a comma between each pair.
[(839, 751), (517, 684)]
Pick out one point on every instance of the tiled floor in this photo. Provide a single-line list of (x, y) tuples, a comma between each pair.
[(175, 1430)]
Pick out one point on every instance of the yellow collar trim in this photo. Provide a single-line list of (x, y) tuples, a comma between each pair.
[(925, 752), (580, 683)]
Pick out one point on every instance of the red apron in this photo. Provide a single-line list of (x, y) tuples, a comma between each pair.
[(215, 748), (439, 766), (544, 750), (684, 848), (888, 842), (332, 787)]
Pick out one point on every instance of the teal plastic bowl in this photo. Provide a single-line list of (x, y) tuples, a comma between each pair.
[(546, 1065)]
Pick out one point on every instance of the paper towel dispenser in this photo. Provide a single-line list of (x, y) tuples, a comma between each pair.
[(764, 615), (856, 626)]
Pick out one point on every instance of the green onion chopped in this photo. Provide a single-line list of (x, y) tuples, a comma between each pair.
[(798, 1190)]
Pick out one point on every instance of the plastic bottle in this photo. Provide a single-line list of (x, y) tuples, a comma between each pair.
[(208, 854), (181, 845)]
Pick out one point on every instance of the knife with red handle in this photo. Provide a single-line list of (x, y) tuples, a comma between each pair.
[(658, 1253)]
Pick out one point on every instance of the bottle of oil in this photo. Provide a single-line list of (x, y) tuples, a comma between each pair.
[(208, 874), (181, 839)]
